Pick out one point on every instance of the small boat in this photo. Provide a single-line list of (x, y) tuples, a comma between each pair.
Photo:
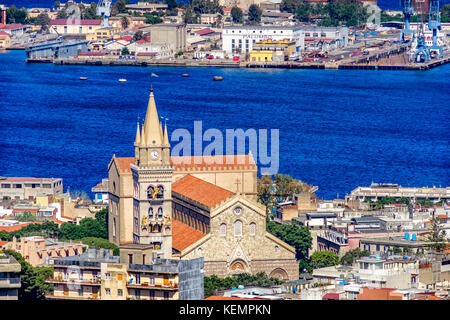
[(83, 78), (217, 78), (185, 75), (122, 80)]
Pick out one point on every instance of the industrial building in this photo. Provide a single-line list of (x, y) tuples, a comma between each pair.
[(57, 49)]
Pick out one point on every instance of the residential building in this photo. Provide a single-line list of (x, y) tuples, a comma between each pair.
[(101, 192), (37, 250), (146, 7), (9, 277), (270, 5), (326, 37), (14, 29), (5, 40), (29, 188), (376, 191), (102, 34), (98, 275), (74, 26), (241, 39), (208, 18), (409, 242)]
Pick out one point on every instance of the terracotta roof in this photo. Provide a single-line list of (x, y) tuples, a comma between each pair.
[(3, 242), (442, 216), (183, 235), (201, 191), (13, 26), (2, 33), (331, 296), (17, 227), (232, 298), (378, 294), (123, 164), (25, 179), (92, 53), (203, 32)]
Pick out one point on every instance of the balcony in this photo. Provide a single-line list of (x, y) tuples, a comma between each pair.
[(10, 283), (52, 296), (145, 285), (92, 282)]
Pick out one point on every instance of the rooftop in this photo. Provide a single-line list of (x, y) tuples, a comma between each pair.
[(183, 235)]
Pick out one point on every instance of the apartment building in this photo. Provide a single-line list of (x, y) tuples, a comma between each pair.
[(97, 275), (9, 277), (29, 188)]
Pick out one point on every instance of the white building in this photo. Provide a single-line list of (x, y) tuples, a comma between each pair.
[(237, 39)]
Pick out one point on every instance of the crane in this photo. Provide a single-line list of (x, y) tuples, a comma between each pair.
[(407, 33), (434, 24), (104, 9)]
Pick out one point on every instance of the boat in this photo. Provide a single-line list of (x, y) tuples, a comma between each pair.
[(185, 75), (217, 78), (83, 78), (122, 80)]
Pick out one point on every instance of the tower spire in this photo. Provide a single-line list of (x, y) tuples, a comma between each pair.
[(166, 136), (153, 134), (138, 135)]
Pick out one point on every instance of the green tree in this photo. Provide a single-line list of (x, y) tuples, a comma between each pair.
[(254, 14), (436, 241), (445, 13), (152, 19), (139, 35), (294, 235), (102, 217), (33, 285), (5, 236), (26, 216), (119, 7), (15, 15), (94, 242), (189, 15), (351, 256), (171, 4), (290, 5), (70, 231), (43, 20), (303, 12), (92, 228), (322, 259), (236, 15)]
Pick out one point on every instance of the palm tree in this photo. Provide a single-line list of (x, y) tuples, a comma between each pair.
[(124, 22)]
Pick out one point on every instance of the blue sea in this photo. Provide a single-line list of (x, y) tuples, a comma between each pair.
[(339, 129)]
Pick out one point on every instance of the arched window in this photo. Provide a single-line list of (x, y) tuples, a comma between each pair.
[(223, 229), (238, 228), (114, 227), (150, 212), (252, 229), (160, 193), (160, 212), (150, 191)]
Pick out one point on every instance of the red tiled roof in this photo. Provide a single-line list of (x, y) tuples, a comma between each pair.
[(85, 22), (92, 53), (25, 179), (205, 31), (2, 33), (126, 38), (201, 191), (17, 227), (3, 242), (123, 164), (183, 235), (442, 216), (378, 294), (13, 26), (331, 296)]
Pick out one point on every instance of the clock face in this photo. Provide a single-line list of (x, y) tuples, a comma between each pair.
[(154, 154)]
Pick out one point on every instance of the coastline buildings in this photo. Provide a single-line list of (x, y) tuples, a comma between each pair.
[(29, 188), (191, 207), (9, 277)]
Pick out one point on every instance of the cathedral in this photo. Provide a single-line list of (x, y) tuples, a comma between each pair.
[(189, 207)]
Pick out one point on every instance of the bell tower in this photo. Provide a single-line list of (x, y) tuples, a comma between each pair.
[(152, 182)]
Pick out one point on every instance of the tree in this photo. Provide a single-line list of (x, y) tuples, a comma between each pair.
[(290, 5), (236, 15), (26, 216), (94, 242), (43, 20), (33, 285), (303, 12), (322, 259), (124, 22), (139, 35), (294, 235), (92, 228), (445, 13), (152, 19), (119, 7), (436, 241), (171, 4), (70, 231), (15, 15), (351, 256), (254, 14), (189, 15)]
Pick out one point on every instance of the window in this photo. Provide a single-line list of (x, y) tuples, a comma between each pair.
[(107, 276), (238, 228), (119, 276), (152, 279), (80, 291), (252, 229), (108, 292), (166, 295), (120, 292), (137, 292), (150, 212), (160, 212), (114, 227), (130, 259), (150, 191), (223, 229), (276, 248), (152, 294)]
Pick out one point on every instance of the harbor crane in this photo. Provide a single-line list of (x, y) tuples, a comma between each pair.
[(434, 24), (104, 10), (407, 33)]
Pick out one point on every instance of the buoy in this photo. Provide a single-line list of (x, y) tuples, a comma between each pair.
[(185, 75), (122, 80), (83, 78), (217, 78)]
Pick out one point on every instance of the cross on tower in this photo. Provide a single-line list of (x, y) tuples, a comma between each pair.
[(238, 182)]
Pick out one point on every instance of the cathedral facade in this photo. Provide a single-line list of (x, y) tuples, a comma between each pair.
[(183, 207)]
